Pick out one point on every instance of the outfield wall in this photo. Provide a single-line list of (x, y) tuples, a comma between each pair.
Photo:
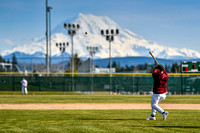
[(123, 83)]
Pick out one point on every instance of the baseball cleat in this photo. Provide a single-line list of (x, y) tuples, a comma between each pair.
[(165, 115), (151, 118)]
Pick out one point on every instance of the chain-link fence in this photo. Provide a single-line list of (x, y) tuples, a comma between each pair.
[(56, 64), (123, 84), (59, 64), (39, 64)]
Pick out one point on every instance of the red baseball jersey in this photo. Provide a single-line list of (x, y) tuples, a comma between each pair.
[(160, 82)]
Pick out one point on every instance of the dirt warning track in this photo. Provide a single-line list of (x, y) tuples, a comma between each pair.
[(95, 106)]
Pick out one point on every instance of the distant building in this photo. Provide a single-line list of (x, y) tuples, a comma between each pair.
[(88, 67), (104, 70), (8, 67)]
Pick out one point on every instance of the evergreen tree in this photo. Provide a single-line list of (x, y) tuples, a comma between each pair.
[(175, 68), (118, 65), (135, 68), (121, 69), (1, 59), (114, 65), (127, 68), (8, 61), (146, 66), (108, 65), (167, 68), (14, 59), (132, 68), (77, 63)]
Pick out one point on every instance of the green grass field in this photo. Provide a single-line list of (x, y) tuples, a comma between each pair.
[(90, 121), (56, 98)]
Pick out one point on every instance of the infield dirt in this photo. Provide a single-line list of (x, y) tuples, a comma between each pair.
[(97, 106)]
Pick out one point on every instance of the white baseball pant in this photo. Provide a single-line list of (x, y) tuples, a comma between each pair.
[(156, 98), (24, 88)]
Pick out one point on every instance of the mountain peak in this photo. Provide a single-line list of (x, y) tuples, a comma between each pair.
[(127, 43)]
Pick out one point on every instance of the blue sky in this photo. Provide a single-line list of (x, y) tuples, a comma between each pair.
[(174, 23)]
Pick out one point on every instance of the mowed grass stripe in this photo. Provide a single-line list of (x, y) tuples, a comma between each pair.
[(96, 99), (91, 121)]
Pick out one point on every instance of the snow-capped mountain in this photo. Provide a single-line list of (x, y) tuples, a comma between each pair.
[(127, 43)]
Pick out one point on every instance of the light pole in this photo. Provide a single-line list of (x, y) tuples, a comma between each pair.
[(92, 51), (47, 39), (109, 34), (62, 47), (49, 11), (47, 35), (110, 37), (72, 29)]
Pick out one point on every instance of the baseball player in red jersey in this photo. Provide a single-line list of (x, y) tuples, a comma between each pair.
[(160, 78)]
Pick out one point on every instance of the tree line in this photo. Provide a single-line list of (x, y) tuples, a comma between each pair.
[(14, 60), (175, 68)]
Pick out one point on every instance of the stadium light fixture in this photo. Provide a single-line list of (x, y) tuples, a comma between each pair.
[(62, 47)]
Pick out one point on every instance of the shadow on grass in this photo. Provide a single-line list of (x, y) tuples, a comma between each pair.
[(110, 119), (169, 126), (177, 126)]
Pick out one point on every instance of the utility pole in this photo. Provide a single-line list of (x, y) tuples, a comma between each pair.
[(48, 34), (49, 10), (47, 39)]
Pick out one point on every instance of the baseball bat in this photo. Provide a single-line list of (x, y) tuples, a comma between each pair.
[(153, 57)]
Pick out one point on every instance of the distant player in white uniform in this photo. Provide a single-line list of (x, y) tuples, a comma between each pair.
[(24, 86)]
